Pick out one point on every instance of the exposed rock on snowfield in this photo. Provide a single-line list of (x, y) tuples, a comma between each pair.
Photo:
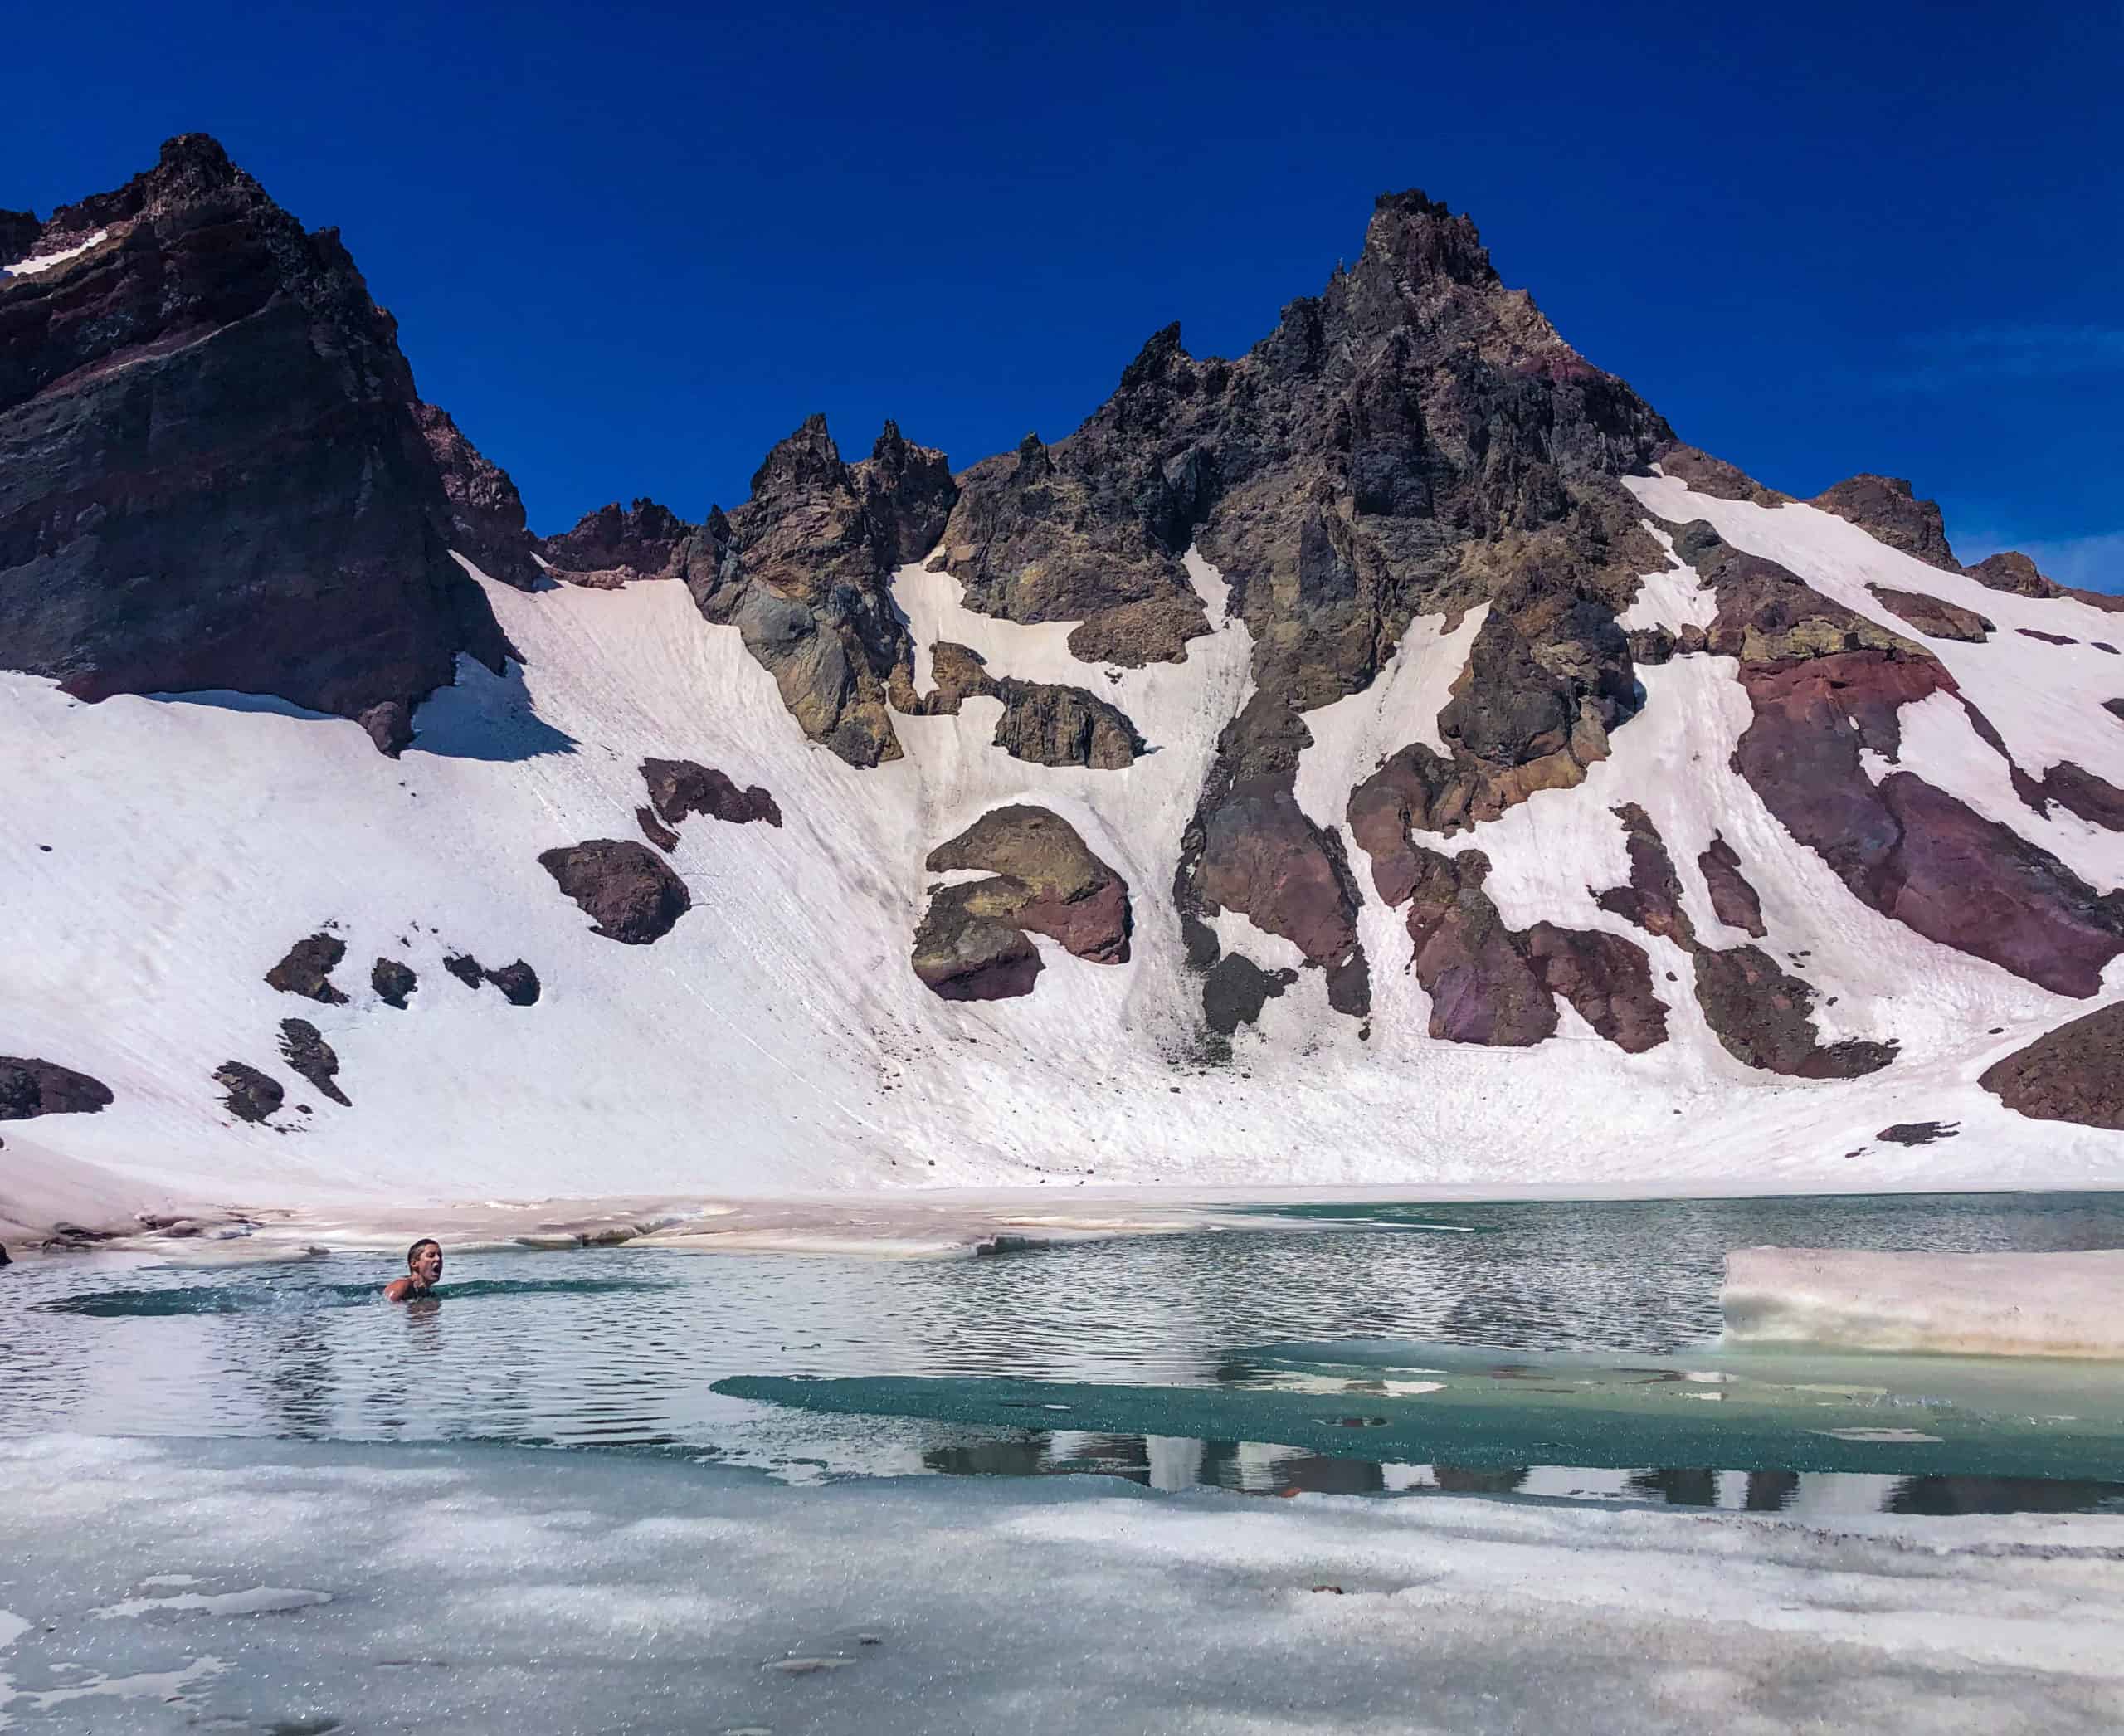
[(1736, 903), (623, 887), (168, 523), (678, 788), (303, 1048), (519, 983), (1934, 616), (393, 981), (1887, 508), (610, 548), (29, 1088), (2011, 571), (2075, 1073), (973, 945), (1412, 741), (252, 1095), (306, 969), (1043, 723)]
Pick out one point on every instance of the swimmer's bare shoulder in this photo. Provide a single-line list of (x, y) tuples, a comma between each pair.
[(398, 1289)]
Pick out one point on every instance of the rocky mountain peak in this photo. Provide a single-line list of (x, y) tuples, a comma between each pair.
[(808, 459), (1422, 238)]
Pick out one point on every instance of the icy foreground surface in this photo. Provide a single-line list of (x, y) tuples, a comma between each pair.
[(1973, 1304), (178, 1586)]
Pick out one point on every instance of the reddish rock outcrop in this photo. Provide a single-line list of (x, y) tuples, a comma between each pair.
[(624, 887), (1934, 616), (307, 968), (655, 830), (1653, 897), (303, 1048), (212, 473), (1251, 848), (251, 1095), (1492, 985), (394, 982), (972, 943), (1885, 507), (803, 570), (29, 1087), (1733, 897), (1904, 847), (610, 546), (2075, 1073), (679, 788)]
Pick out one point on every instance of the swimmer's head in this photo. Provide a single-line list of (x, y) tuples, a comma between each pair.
[(424, 1260)]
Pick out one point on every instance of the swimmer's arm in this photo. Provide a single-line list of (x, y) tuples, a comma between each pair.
[(397, 1290)]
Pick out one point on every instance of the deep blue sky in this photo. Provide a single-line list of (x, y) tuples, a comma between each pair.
[(629, 247)]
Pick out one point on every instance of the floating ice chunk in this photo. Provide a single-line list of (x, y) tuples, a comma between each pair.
[(1909, 1436), (1977, 1304)]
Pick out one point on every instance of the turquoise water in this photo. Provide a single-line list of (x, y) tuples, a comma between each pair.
[(1553, 1349)]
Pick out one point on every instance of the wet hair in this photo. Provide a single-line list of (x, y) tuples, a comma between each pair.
[(413, 1253)]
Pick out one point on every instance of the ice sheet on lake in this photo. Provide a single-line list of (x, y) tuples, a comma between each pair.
[(1971, 1304), (478, 1587)]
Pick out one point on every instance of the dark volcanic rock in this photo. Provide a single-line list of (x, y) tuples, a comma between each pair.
[(1607, 979), (624, 887), (1490, 984), (1706, 474), (1933, 617), (1764, 1017), (962, 955), (678, 788), (1918, 1133), (1767, 614), (252, 1095), (1034, 539), (519, 983), (2115, 708), (1251, 848), (19, 231), (307, 969), (393, 982), (973, 945), (1042, 722), (1885, 507), (2077, 790), (467, 970), (2029, 632), (2075, 1073), (29, 1087), (655, 830), (486, 512), (803, 570), (2011, 571), (1236, 989), (1653, 897), (212, 474), (303, 1048), (610, 547), (1732, 896)]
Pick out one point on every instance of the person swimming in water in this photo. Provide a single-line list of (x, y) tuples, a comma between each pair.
[(423, 1271)]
